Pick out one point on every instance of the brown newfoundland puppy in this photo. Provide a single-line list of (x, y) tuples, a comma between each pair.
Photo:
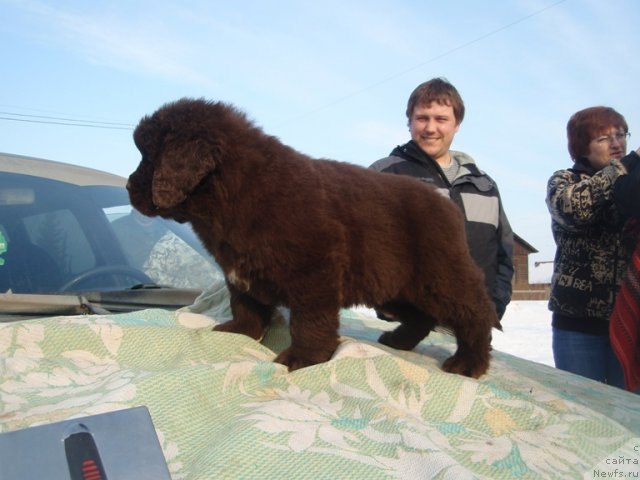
[(313, 235)]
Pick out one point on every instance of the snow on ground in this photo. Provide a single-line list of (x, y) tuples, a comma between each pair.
[(527, 331)]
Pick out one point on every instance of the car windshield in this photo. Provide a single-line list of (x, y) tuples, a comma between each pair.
[(59, 237)]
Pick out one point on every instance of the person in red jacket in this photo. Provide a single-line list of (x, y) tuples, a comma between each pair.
[(624, 324)]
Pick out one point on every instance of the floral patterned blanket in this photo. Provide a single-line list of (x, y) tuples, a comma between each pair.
[(222, 409)]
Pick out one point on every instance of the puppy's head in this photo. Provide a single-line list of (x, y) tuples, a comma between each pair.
[(179, 149)]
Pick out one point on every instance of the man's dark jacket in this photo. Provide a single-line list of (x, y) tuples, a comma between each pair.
[(489, 234)]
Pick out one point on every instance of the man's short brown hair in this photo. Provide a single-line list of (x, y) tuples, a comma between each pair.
[(437, 90)]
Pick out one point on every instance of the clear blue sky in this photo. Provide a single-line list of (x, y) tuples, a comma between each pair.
[(329, 78)]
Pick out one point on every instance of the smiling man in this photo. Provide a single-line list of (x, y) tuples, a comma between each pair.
[(435, 111)]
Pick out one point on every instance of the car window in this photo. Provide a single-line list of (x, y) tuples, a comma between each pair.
[(164, 250), (59, 237), (59, 234)]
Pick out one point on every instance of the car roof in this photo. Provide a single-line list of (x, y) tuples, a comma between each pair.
[(64, 172)]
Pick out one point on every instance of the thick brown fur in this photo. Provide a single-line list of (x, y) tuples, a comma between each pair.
[(313, 235)]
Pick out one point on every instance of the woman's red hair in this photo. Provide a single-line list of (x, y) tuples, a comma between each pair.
[(588, 124)]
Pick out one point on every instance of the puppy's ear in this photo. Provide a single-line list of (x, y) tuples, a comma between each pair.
[(179, 170)]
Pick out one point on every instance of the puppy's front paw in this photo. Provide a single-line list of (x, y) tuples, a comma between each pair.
[(465, 365), (294, 360), (233, 326)]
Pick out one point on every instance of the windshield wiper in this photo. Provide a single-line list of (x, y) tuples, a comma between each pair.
[(91, 308), (148, 286), (18, 306), (25, 304)]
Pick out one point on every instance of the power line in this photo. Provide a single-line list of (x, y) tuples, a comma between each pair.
[(475, 40), (66, 119), (433, 59), (19, 117), (125, 126)]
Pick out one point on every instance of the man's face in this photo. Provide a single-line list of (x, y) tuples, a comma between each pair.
[(433, 127)]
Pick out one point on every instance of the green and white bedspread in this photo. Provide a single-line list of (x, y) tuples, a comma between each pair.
[(222, 409)]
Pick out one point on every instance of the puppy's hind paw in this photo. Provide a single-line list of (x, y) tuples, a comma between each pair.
[(399, 340)]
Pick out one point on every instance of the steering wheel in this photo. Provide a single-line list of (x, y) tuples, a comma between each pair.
[(122, 270)]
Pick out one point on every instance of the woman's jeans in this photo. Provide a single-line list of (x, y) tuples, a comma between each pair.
[(588, 355)]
